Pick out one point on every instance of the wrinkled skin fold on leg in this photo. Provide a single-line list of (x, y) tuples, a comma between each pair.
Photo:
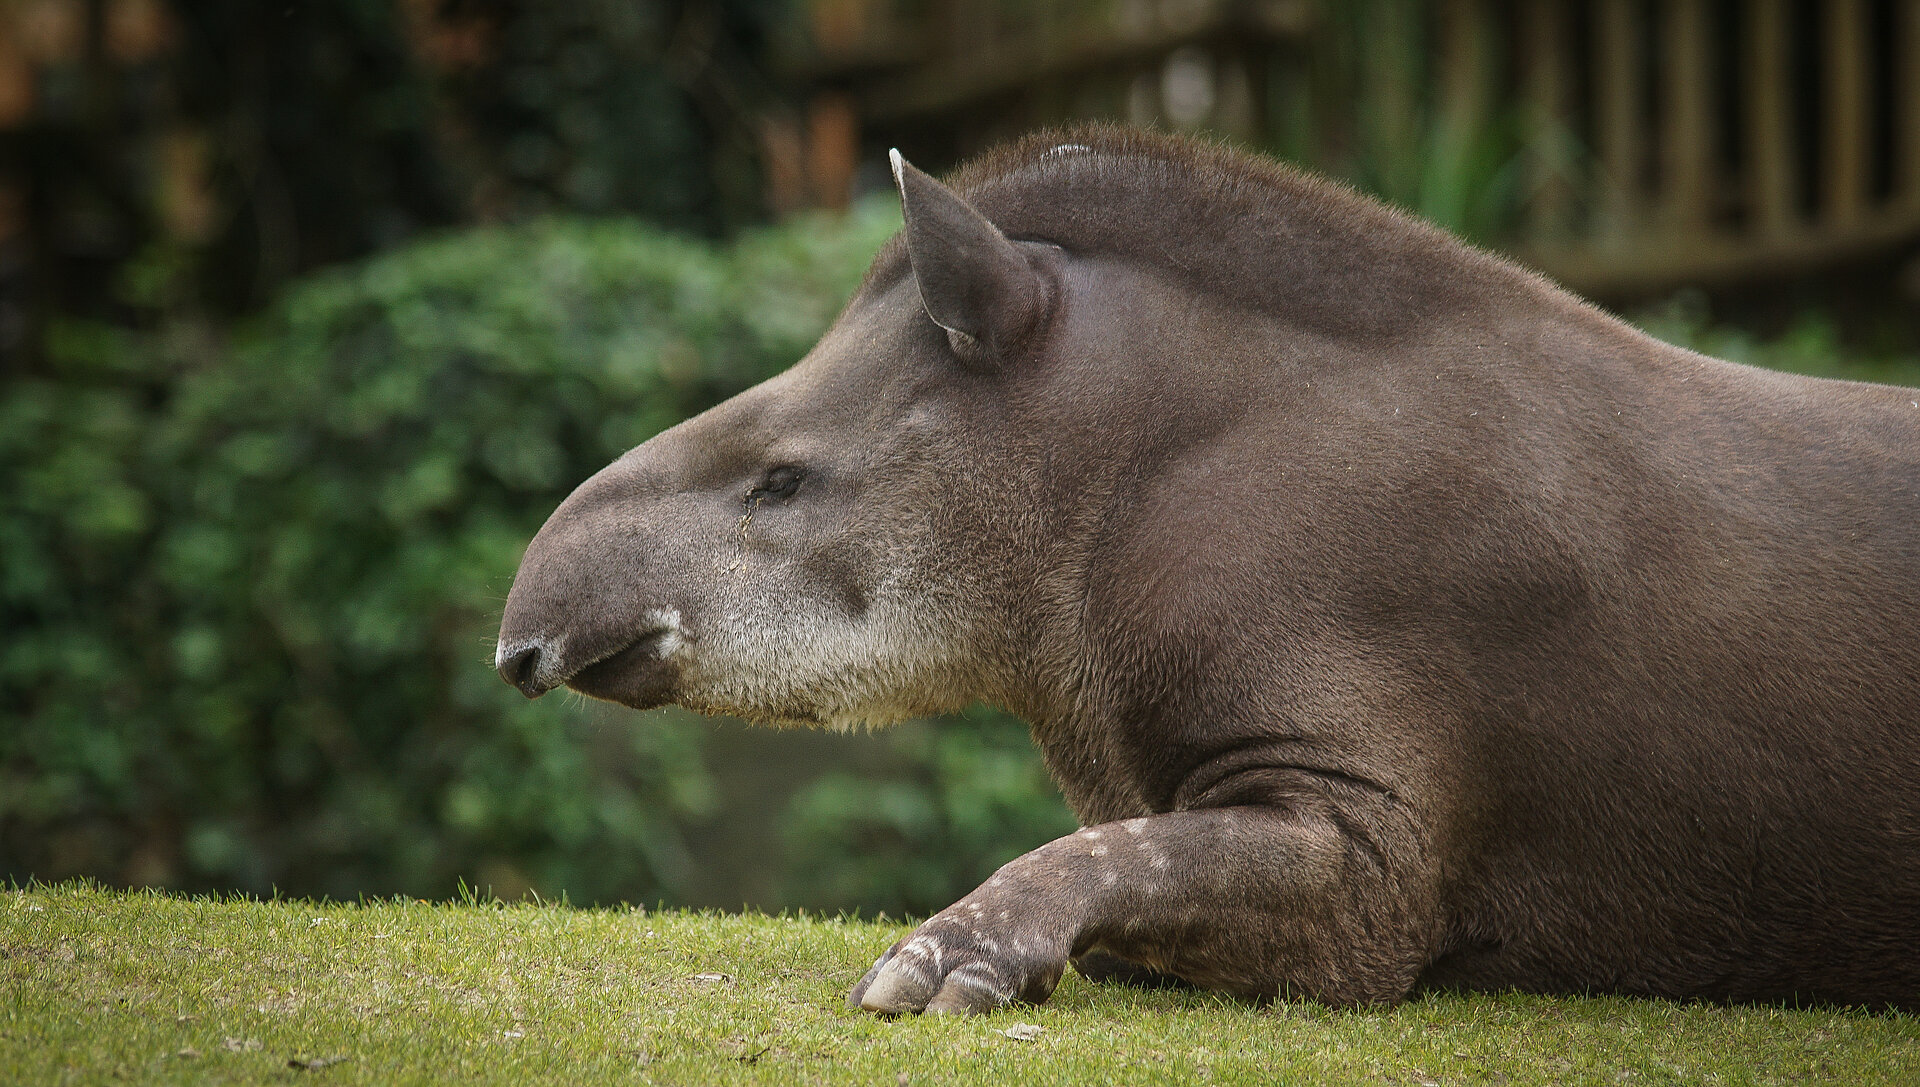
[(1106, 968), (1250, 900)]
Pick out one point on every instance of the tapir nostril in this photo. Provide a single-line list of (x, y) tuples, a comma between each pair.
[(519, 670)]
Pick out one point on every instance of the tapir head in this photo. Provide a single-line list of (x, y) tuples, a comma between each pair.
[(837, 545)]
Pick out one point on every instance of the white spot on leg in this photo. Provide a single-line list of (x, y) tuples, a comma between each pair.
[(1135, 826), (921, 947), (979, 977), (903, 967)]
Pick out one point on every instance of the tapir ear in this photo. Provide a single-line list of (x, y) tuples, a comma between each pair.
[(973, 281)]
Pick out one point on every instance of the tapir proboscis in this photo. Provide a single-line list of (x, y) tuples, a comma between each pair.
[(1391, 618)]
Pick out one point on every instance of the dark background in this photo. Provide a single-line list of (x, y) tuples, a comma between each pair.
[(311, 311)]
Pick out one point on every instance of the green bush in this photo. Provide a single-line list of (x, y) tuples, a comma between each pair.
[(249, 591), (1811, 343), (969, 795)]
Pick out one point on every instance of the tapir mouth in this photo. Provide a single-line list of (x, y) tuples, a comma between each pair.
[(633, 674), (644, 648)]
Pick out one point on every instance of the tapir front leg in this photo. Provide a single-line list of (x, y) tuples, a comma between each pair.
[(1256, 901)]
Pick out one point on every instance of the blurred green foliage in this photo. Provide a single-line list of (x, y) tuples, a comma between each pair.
[(250, 603), (648, 107), (970, 796), (242, 145), (1811, 343)]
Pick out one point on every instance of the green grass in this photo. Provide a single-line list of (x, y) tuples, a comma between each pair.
[(104, 986)]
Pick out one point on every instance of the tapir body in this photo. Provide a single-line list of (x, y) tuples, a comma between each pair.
[(1390, 617)]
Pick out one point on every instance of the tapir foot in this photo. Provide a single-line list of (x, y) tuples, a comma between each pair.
[(958, 963), (1112, 969)]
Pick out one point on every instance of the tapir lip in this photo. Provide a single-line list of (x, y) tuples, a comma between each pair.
[(634, 674)]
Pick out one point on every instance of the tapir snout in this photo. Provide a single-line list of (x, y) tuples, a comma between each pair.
[(590, 606)]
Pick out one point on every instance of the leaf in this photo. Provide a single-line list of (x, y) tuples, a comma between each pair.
[(1023, 1032)]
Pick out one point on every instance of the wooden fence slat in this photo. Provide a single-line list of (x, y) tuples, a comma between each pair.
[(1390, 94), (1463, 86), (1768, 117), (1462, 77), (1844, 160), (1544, 47), (1687, 148), (1619, 103), (1906, 130), (833, 148)]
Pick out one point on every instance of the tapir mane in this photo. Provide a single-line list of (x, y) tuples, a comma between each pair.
[(1260, 233)]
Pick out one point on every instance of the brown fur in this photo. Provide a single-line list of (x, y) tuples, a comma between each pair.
[(1392, 618)]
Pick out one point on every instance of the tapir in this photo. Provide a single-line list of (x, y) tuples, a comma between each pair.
[(1392, 619)]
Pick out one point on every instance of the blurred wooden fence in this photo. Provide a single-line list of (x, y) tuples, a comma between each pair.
[(1622, 145)]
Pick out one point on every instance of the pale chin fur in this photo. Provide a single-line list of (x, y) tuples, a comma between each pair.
[(813, 671), (674, 637)]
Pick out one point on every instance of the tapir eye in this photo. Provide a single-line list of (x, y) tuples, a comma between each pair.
[(782, 480)]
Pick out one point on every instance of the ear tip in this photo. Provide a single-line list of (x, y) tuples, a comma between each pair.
[(899, 163)]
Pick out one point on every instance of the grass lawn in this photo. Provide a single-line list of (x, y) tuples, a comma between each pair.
[(108, 987)]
